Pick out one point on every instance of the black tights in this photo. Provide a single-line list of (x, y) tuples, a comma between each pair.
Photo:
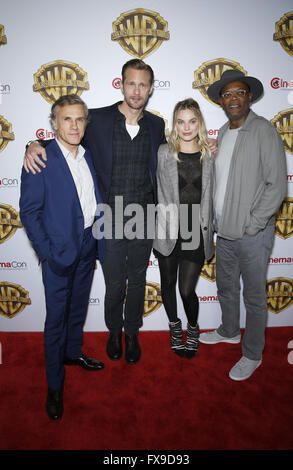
[(188, 275)]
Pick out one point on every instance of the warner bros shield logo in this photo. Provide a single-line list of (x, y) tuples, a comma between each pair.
[(140, 32), (284, 32), (284, 219), (60, 78), (211, 71)]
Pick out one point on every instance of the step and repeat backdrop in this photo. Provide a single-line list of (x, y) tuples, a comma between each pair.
[(78, 47)]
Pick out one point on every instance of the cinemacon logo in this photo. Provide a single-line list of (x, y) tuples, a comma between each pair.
[(208, 298), (8, 182), (278, 83), (42, 134), (13, 265), (158, 84), (281, 260)]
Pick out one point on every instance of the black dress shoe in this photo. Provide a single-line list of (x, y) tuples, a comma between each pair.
[(114, 346), (132, 349), (87, 363), (54, 404)]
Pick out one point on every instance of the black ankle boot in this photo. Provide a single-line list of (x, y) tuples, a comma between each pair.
[(192, 340), (176, 338), (114, 346), (132, 349)]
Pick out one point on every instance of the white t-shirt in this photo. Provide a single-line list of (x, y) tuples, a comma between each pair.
[(132, 130), (222, 165)]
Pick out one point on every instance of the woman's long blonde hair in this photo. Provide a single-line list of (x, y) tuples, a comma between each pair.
[(202, 141)]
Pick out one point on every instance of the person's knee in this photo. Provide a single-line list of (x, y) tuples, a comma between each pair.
[(186, 292)]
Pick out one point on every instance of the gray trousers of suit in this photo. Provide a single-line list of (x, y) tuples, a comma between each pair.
[(246, 257)]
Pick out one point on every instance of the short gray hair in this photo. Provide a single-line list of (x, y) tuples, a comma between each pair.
[(67, 100)]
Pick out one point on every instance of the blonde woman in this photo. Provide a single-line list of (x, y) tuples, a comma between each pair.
[(185, 184)]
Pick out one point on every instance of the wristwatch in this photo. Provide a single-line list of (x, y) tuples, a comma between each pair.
[(30, 142)]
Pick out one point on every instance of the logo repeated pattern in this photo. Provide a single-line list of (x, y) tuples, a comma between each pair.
[(140, 33)]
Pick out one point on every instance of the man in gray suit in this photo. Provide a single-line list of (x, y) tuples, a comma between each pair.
[(250, 185)]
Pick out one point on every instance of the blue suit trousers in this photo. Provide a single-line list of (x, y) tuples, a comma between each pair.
[(67, 300)]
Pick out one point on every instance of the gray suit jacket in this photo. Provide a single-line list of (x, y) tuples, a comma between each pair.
[(167, 222)]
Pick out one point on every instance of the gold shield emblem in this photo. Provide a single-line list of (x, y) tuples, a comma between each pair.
[(279, 294), (152, 299), (140, 32), (284, 32), (211, 71), (5, 133), (9, 222), (167, 132), (13, 299), (60, 78), (283, 122), (284, 219), (208, 270), (3, 38)]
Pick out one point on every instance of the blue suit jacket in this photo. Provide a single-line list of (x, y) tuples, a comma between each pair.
[(51, 213), (99, 139)]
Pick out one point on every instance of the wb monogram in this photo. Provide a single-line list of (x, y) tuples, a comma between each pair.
[(6, 134), (283, 122), (279, 294), (284, 219), (211, 71), (140, 32), (13, 299), (60, 78), (9, 222)]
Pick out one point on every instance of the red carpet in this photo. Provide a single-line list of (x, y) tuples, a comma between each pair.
[(162, 403)]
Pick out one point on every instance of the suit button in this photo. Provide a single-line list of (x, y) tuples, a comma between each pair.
[(205, 228)]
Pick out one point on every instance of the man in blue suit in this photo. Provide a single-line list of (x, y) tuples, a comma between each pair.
[(123, 139), (57, 209)]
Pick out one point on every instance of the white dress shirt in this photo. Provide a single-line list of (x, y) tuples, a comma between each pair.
[(83, 182)]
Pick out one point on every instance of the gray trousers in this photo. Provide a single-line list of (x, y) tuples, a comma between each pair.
[(247, 257)]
